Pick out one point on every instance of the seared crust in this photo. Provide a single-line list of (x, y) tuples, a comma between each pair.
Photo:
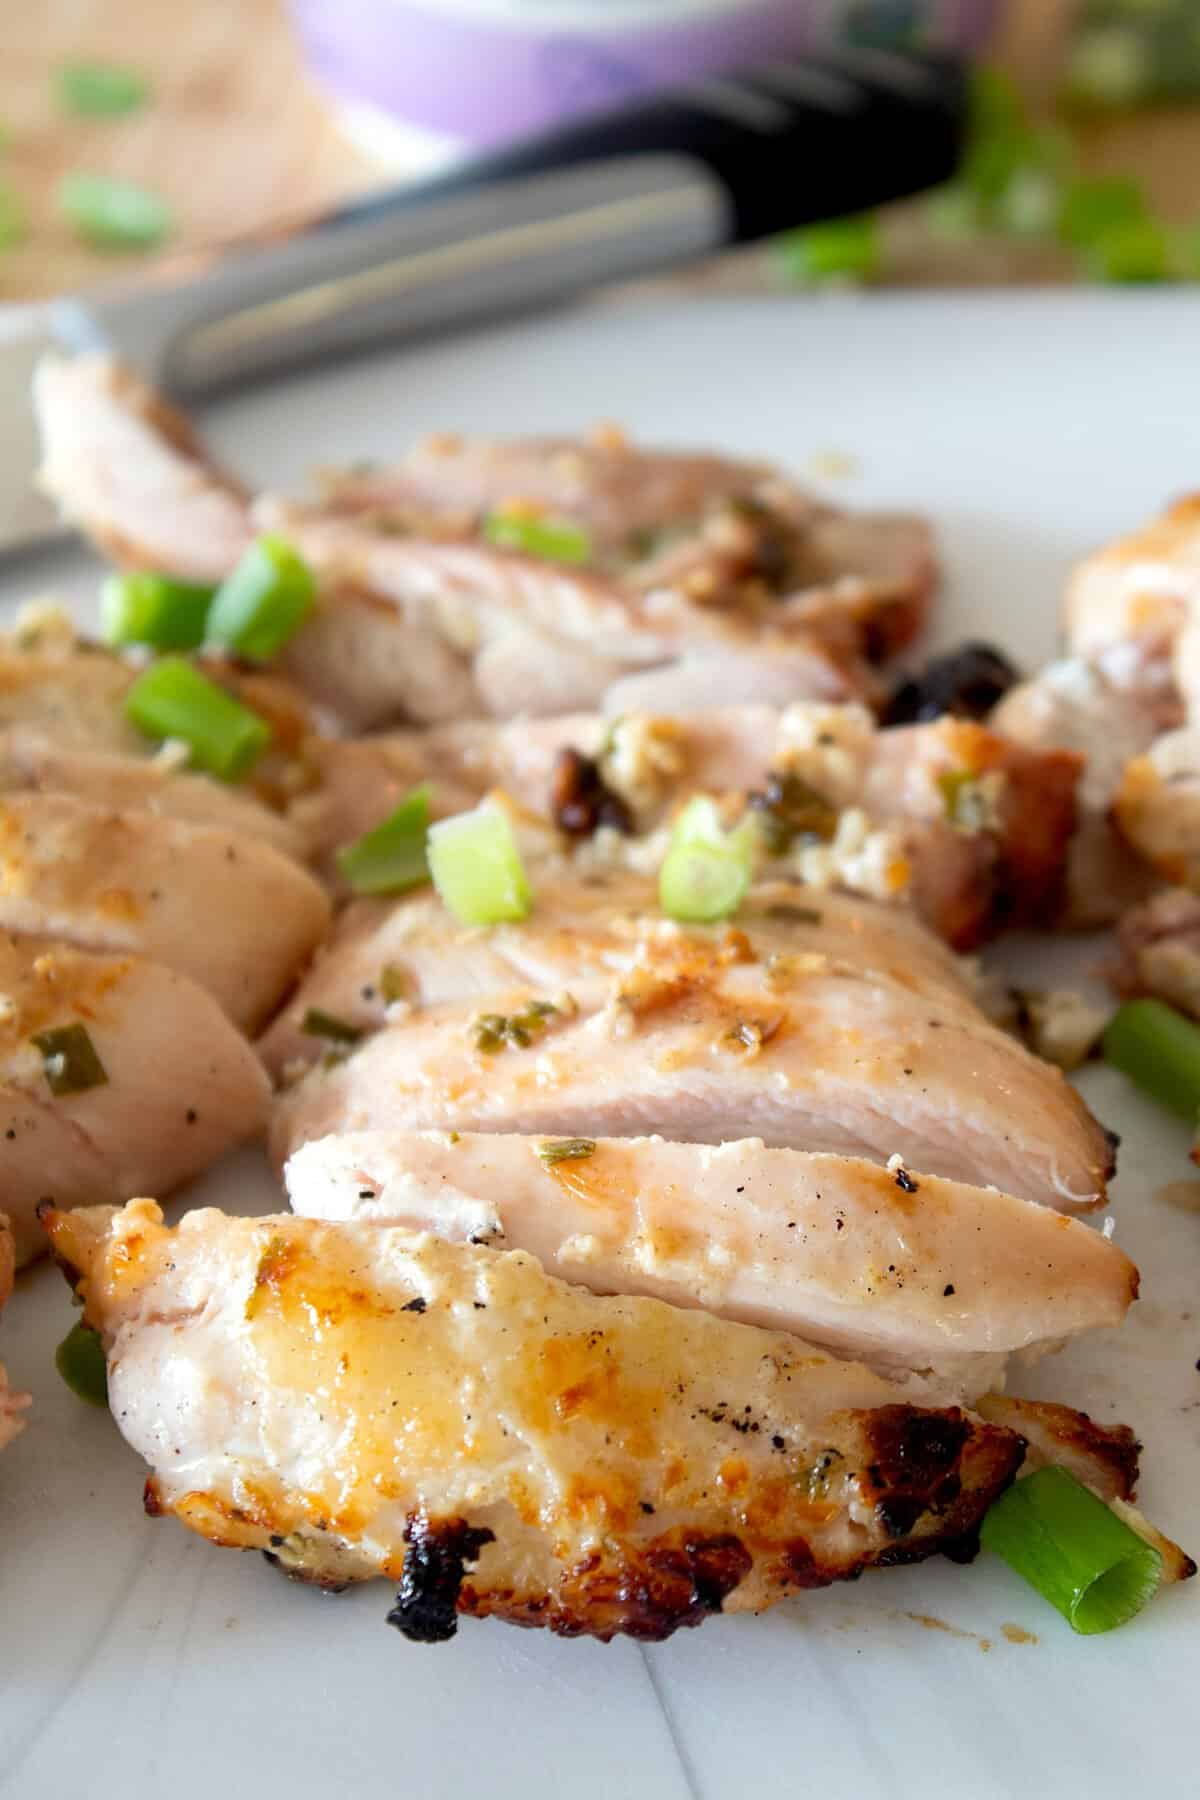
[(499, 1443)]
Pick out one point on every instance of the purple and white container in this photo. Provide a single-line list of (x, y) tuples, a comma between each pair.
[(426, 79)]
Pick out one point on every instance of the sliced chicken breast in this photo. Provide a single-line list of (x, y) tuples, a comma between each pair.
[(130, 471), (235, 915), (116, 1075), (1143, 587), (802, 1051), (1159, 945), (900, 1270), (386, 957), (970, 827), (362, 1401)]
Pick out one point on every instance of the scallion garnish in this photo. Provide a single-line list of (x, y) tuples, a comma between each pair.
[(69, 1060), (392, 857), (114, 215), (1159, 1050), (477, 868), (96, 90), (263, 601), (845, 249), (173, 700), (556, 1150), (140, 608), (1079, 1556), (707, 870), (557, 540), (317, 1023), (79, 1359)]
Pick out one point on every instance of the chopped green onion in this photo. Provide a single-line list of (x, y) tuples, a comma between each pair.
[(392, 857), (98, 90), (1159, 1050), (317, 1023), (558, 540), (1140, 250), (173, 700), (477, 868), (707, 871), (140, 608), (847, 248), (114, 215), (1094, 205), (264, 601), (14, 224), (1078, 1555), (79, 1359), (564, 1150), (395, 983), (69, 1059)]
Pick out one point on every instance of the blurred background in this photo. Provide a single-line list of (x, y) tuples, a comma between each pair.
[(130, 129)]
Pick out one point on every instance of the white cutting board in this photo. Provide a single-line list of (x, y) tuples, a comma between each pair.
[(136, 1661)]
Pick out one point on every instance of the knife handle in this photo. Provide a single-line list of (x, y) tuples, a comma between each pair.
[(676, 176)]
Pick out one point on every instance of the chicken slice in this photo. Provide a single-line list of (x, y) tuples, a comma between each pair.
[(233, 914), (130, 471), (969, 826), (1159, 945), (803, 1051), (1109, 711), (364, 1401), (1143, 587), (154, 1084), (12, 1404), (899, 1270), (385, 957)]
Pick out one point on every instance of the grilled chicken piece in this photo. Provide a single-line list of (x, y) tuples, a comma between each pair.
[(12, 1404), (151, 1085), (1157, 806), (498, 1442), (898, 1270), (971, 827), (1159, 945), (234, 914), (721, 532), (1143, 587), (429, 630), (130, 471), (387, 956), (1109, 711), (804, 1051)]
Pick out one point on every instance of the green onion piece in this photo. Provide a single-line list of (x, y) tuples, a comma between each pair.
[(113, 215), (173, 700), (1079, 1556), (1159, 1050), (317, 1023), (556, 1150), (1140, 250), (96, 90), (14, 224), (838, 248), (477, 868), (69, 1058), (79, 1359), (707, 871), (1095, 205), (392, 857), (152, 609), (264, 601), (558, 540)]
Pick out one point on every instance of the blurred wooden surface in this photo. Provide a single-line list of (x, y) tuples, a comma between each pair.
[(238, 139)]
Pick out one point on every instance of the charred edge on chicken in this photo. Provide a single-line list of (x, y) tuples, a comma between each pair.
[(426, 1608), (580, 799)]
